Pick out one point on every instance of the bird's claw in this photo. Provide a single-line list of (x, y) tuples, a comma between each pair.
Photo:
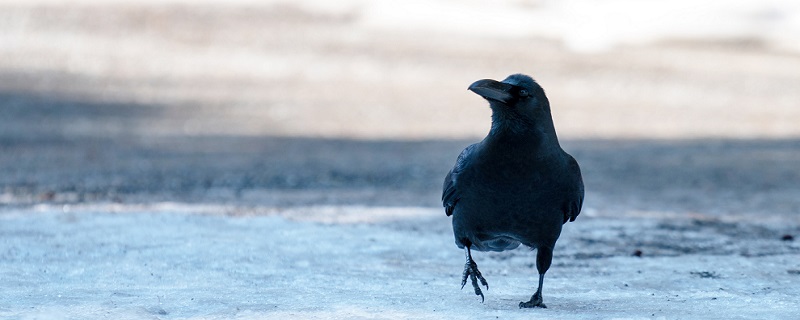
[(471, 271), (536, 301)]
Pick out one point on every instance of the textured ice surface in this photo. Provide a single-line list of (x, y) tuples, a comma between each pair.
[(107, 262)]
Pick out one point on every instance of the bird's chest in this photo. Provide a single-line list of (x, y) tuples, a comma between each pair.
[(512, 184), (513, 173)]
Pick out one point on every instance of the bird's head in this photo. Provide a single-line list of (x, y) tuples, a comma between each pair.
[(518, 101), (516, 91)]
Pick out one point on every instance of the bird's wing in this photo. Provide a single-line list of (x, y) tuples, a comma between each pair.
[(574, 208), (450, 194)]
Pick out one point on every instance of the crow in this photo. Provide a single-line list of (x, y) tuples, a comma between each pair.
[(516, 186)]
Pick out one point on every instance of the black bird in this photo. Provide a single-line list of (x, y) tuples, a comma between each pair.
[(517, 186)]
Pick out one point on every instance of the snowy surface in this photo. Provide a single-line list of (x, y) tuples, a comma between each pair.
[(394, 70), (174, 261), (583, 25)]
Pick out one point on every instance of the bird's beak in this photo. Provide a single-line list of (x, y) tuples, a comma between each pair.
[(492, 90)]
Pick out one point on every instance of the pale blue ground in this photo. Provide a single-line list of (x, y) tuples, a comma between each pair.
[(174, 265)]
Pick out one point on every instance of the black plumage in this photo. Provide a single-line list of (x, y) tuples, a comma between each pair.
[(517, 186)]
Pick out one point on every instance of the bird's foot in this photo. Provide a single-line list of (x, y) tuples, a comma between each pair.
[(536, 301), (471, 271)]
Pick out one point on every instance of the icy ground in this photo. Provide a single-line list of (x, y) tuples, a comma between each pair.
[(176, 261)]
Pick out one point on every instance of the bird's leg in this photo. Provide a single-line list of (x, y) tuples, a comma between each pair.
[(544, 256), (536, 299), (471, 271)]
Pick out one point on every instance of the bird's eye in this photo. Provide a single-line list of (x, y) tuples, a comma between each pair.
[(523, 93)]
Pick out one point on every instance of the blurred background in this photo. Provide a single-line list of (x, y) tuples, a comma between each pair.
[(687, 107)]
